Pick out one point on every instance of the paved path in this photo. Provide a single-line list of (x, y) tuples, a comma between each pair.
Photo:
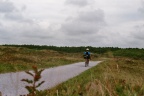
[(11, 84)]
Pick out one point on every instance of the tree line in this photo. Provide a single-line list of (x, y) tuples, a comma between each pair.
[(137, 53)]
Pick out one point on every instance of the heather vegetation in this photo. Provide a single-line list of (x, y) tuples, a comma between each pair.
[(135, 53), (120, 73), (114, 77), (20, 58)]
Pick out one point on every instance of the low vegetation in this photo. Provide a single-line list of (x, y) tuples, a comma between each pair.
[(14, 59), (114, 77), (120, 73), (34, 83)]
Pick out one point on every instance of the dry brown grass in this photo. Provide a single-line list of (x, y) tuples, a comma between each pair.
[(113, 77), (17, 58)]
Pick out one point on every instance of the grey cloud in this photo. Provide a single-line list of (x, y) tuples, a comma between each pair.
[(17, 17), (86, 23), (80, 3), (32, 30), (95, 16), (141, 9), (85, 28), (26, 33), (10, 12), (6, 36), (6, 6), (136, 37), (88, 40), (139, 32), (23, 8), (14, 16)]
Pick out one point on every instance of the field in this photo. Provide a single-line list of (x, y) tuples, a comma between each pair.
[(18, 58), (118, 75), (113, 77)]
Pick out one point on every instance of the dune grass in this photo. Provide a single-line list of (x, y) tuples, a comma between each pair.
[(114, 77), (14, 59)]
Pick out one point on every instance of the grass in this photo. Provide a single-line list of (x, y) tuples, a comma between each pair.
[(14, 59), (114, 77)]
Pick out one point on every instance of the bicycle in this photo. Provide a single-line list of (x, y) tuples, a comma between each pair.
[(87, 62), (87, 57)]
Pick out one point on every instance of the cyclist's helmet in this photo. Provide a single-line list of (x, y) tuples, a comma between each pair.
[(87, 49)]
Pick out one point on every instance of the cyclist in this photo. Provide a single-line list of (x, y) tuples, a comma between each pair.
[(87, 57)]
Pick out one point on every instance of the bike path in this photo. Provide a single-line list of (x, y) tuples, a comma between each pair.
[(11, 84)]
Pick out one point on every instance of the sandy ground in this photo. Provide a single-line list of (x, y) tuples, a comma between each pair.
[(11, 84)]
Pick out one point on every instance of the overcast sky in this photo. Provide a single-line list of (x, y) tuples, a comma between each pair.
[(98, 23)]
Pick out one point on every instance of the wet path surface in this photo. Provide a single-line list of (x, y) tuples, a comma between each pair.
[(11, 84)]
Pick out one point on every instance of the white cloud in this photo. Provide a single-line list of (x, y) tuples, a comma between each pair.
[(84, 29), (72, 22), (77, 2)]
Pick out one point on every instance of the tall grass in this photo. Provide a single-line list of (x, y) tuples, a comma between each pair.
[(114, 77), (17, 59)]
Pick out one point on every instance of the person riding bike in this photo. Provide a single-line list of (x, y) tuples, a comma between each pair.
[(87, 57)]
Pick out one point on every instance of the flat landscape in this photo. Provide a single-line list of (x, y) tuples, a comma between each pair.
[(11, 84), (119, 74)]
